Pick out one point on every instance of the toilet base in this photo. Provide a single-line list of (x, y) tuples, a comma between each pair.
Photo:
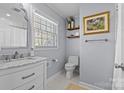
[(69, 74)]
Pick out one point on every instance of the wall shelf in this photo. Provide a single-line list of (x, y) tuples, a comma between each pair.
[(76, 28), (73, 36)]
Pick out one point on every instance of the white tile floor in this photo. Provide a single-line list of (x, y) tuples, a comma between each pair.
[(60, 82)]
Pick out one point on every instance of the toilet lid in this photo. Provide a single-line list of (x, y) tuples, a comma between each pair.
[(69, 64)]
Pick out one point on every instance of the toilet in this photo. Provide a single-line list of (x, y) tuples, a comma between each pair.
[(70, 66)]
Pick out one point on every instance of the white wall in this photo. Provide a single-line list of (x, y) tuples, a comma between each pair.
[(122, 31), (97, 58), (53, 53)]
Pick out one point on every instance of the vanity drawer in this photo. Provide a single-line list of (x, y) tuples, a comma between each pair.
[(13, 80), (36, 84)]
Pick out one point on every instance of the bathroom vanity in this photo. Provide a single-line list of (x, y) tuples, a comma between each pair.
[(23, 74), (17, 71)]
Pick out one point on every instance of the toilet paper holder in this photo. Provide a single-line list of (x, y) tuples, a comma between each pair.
[(52, 60)]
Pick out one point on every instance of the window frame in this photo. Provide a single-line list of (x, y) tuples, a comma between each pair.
[(33, 32)]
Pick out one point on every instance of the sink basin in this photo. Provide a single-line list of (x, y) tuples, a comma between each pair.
[(19, 62), (21, 59), (30, 58)]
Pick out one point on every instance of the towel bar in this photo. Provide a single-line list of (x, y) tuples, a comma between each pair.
[(97, 40)]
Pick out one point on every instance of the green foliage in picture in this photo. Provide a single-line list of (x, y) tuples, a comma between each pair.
[(95, 24)]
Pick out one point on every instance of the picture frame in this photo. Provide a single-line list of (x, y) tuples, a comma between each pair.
[(97, 23)]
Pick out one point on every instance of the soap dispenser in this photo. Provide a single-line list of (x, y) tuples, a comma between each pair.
[(32, 52)]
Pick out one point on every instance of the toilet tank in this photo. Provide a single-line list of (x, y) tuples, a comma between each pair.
[(73, 59)]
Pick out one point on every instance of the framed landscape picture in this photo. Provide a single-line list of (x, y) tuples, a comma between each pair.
[(98, 23)]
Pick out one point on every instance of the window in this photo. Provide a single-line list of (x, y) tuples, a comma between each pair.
[(45, 32)]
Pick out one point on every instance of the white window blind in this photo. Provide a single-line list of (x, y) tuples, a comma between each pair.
[(45, 32)]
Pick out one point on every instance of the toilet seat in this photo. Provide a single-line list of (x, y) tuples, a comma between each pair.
[(69, 65)]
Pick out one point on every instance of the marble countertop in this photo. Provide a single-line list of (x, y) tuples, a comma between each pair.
[(21, 62)]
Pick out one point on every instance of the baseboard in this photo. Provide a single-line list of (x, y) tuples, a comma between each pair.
[(90, 87)]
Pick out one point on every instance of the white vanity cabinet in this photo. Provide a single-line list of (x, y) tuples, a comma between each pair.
[(36, 84), (26, 77)]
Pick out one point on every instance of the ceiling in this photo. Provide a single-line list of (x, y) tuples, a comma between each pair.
[(65, 9)]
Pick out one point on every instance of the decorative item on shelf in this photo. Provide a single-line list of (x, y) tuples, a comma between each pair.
[(77, 27), (68, 23), (71, 23), (73, 36), (77, 34), (98, 23), (69, 26)]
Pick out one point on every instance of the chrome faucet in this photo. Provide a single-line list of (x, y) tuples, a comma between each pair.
[(16, 55), (6, 58), (21, 56)]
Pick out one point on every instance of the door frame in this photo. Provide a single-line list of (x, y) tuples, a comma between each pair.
[(116, 82)]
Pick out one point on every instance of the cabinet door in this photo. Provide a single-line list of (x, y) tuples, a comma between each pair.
[(36, 84), (14, 80)]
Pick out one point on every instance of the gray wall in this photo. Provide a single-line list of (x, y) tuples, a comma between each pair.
[(53, 53), (72, 47), (73, 44), (97, 58)]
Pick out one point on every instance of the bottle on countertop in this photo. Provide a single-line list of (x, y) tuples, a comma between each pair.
[(32, 52)]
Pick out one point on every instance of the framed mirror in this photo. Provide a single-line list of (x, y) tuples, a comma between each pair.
[(13, 26)]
